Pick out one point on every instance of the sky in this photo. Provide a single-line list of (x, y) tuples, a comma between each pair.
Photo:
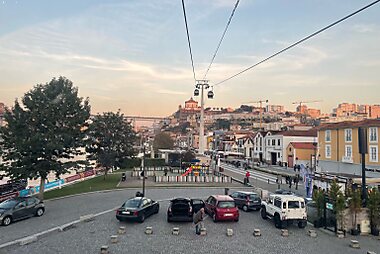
[(133, 55)]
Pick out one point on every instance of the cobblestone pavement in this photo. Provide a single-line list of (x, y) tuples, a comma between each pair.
[(90, 236)]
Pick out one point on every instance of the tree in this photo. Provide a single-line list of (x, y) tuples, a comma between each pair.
[(110, 140), (355, 205), (44, 131), (162, 141), (222, 124), (188, 156), (374, 209), (319, 199)]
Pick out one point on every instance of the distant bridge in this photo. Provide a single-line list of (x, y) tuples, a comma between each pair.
[(146, 118)]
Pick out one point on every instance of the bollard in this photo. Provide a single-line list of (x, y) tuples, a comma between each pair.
[(354, 244), (104, 249), (312, 233), (256, 232), (284, 232), (203, 231), (175, 231), (148, 230), (121, 230), (114, 238), (340, 234), (230, 232)]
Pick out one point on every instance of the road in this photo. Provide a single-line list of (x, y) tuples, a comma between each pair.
[(89, 237), (260, 179)]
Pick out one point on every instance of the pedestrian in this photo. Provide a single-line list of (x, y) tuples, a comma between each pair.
[(165, 171), (290, 183), (198, 220), (247, 175), (296, 181)]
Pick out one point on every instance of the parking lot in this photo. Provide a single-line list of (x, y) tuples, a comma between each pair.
[(88, 237)]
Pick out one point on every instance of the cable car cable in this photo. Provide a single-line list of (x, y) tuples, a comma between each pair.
[(299, 42)]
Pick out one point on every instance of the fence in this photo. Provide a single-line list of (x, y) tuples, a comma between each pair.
[(193, 179)]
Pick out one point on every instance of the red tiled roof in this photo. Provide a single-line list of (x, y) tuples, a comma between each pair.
[(303, 145), (298, 133), (350, 124)]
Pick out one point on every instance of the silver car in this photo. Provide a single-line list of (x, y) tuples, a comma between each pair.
[(20, 208)]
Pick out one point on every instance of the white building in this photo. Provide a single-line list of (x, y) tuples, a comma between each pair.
[(275, 144)]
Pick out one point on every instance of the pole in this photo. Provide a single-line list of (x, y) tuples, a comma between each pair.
[(364, 190), (201, 127), (260, 113), (143, 168)]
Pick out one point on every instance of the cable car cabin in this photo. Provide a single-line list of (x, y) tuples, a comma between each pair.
[(196, 92), (210, 94)]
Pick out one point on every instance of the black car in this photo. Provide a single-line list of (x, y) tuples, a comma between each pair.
[(20, 208), (138, 208), (283, 192), (182, 209), (247, 200)]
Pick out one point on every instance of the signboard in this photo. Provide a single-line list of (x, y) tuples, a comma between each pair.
[(329, 206)]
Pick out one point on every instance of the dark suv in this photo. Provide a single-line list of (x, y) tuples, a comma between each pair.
[(247, 200), (182, 209)]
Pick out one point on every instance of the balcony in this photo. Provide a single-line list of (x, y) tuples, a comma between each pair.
[(347, 159)]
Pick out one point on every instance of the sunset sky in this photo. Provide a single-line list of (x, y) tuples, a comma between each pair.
[(133, 54)]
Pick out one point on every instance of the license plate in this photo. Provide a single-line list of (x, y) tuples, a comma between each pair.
[(126, 212), (228, 214)]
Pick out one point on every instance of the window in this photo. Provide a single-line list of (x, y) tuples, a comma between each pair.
[(328, 135), (373, 154), (373, 134), (226, 204), (235, 195), (348, 151), (328, 151), (278, 142), (293, 204), (348, 135), (284, 205), (268, 142), (277, 202), (273, 142)]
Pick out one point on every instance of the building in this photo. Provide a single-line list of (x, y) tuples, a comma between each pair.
[(374, 111), (274, 109), (191, 108), (298, 153), (276, 144), (339, 147), (313, 113), (2, 111)]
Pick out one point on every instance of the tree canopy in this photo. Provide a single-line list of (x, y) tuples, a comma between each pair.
[(163, 141), (110, 140), (44, 131)]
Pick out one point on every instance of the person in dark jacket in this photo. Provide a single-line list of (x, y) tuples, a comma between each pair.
[(198, 219)]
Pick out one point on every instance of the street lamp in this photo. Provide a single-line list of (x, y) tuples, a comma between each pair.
[(202, 85)]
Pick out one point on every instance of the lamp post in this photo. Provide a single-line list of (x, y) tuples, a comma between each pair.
[(143, 164), (202, 85)]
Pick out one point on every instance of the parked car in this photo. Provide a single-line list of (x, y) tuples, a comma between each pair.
[(137, 208), (283, 192), (20, 208), (247, 200), (221, 207), (182, 209)]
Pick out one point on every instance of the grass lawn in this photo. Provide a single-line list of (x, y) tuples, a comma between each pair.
[(95, 184)]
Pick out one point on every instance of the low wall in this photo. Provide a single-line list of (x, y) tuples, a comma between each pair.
[(192, 179)]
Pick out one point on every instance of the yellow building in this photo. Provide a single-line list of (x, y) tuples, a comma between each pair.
[(339, 147), (300, 153)]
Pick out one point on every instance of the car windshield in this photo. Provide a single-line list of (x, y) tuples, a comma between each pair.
[(293, 204), (226, 204), (132, 203), (8, 204), (253, 197)]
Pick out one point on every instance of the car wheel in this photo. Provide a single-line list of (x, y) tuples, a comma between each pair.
[(245, 208), (214, 217), (302, 224), (237, 219), (142, 218), (157, 209), (40, 212), (277, 221), (264, 213), (7, 220)]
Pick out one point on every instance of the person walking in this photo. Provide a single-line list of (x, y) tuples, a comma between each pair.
[(198, 220), (247, 175)]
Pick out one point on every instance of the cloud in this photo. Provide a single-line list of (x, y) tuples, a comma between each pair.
[(170, 92), (364, 28)]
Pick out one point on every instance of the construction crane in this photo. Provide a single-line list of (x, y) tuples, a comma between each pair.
[(303, 102), (261, 103)]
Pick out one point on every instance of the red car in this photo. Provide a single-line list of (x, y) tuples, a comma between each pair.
[(222, 207)]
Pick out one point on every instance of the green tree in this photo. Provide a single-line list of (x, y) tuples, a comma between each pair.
[(188, 156), (44, 131), (339, 206), (222, 124), (319, 199), (355, 205), (162, 141), (110, 140), (334, 193), (374, 207)]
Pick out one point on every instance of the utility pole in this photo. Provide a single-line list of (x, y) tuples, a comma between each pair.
[(203, 85), (143, 164)]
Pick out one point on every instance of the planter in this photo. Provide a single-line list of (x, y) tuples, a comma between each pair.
[(318, 223), (354, 232), (374, 231)]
